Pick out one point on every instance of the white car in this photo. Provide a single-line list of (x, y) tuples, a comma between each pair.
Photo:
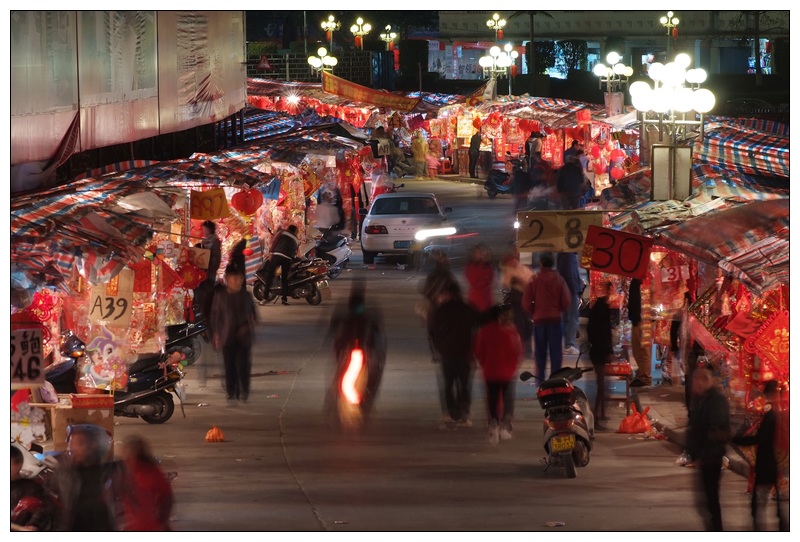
[(396, 222)]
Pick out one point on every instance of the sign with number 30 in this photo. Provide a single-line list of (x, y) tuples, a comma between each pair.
[(617, 253)]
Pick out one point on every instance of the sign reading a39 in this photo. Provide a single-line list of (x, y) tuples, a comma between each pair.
[(555, 231)]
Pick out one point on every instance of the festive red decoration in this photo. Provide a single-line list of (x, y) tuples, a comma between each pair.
[(617, 173), (674, 32), (358, 42), (476, 122), (514, 70), (617, 154), (599, 168), (247, 201), (635, 158), (595, 151), (191, 275), (500, 34)]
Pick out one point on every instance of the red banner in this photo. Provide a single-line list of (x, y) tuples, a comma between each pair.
[(357, 93)]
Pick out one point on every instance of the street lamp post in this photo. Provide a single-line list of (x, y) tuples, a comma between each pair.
[(388, 36), (496, 64), (673, 107), (359, 30), (322, 63), (670, 22), (329, 26), (615, 76), (496, 24)]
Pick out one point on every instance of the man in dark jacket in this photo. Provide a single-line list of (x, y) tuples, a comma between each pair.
[(706, 440), (601, 349), (474, 153), (204, 293), (284, 250), (570, 183), (766, 467), (451, 330)]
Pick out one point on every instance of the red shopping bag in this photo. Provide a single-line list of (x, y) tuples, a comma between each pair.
[(636, 422)]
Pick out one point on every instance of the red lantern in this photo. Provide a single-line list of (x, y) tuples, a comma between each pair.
[(500, 34), (514, 70), (328, 36), (674, 32), (248, 201), (476, 123), (617, 173), (617, 155), (358, 42), (599, 168), (595, 152)]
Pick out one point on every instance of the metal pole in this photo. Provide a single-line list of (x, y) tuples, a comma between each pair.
[(305, 34)]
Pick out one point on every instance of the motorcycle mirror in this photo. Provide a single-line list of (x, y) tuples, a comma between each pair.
[(525, 376), (362, 212)]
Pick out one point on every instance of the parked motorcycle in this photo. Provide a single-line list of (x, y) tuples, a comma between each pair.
[(331, 246), (307, 280), (500, 182), (151, 381), (189, 337), (568, 419)]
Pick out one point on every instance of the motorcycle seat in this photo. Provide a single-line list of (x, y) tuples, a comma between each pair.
[(146, 362)]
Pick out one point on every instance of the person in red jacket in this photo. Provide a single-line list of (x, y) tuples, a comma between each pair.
[(479, 272), (545, 299), (498, 350), (144, 491)]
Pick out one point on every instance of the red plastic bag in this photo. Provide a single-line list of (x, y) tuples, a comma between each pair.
[(636, 422)]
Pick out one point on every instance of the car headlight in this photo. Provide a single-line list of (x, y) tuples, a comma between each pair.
[(422, 235)]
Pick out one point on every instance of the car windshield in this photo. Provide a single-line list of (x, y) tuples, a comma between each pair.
[(405, 206)]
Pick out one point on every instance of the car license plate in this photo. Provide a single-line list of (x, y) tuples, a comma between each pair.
[(562, 443), (402, 244)]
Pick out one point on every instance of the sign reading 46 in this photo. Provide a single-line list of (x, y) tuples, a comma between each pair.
[(555, 231)]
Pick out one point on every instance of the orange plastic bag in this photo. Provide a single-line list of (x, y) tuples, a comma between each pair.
[(636, 422)]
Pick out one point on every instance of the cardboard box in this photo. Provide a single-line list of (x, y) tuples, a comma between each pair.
[(79, 408)]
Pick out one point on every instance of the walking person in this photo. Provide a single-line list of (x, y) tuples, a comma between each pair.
[(545, 299), (474, 153), (234, 318), (570, 183), (498, 350), (283, 252), (601, 350), (567, 265), (514, 278), (641, 355), (204, 293), (766, 466), (706, 440), (533, 149), (451, 327), (479, 272), (143, 490)]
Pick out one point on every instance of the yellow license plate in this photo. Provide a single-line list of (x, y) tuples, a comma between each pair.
[(562, 443)]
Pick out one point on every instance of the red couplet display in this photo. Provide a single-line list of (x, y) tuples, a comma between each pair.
[(615, 252)]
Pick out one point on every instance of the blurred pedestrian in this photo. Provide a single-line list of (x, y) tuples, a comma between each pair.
[(81, 481), (204, 293), (600, 350), (706, 441), (282, 252), (545, 299), (31, 505), (479, 272), (237, 259), (641, 355), (143, 490), (233, 319), (474, 153), (514, 278), (521, 185), (451, 327), (498, 350), (766, 465), (419, 150), (567, 265), (570, 183)]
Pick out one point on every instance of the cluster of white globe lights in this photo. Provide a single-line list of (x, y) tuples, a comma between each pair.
[(323, 61), (497, 59)]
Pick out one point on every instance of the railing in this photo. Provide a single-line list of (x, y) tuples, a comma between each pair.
[(354, 66)]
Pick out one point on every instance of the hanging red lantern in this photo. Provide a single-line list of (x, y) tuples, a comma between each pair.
[(617, 155), (674, 32), (617, 173), (247, 201), (358, 42), (595, 152), (500, 34), (476, 123), (513, 70), (328, 36)]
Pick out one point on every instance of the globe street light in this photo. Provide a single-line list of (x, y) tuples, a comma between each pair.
[(359, 30), (671, 24), (674, 108), (496, 24), (329, 26), (388, 37), (322, 63), (498, 61), (615, 76)]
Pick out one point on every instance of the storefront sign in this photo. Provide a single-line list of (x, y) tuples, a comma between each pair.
[(555, 231), (27, 363), (209, 204), (617, 253), (110, 303), (674, 273)]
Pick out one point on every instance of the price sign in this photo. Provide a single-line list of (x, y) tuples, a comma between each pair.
[(167, 248), (556, 231), (209, 204), (110, 303), (674, 273), (198, 257), (616, 252), (27, 363)]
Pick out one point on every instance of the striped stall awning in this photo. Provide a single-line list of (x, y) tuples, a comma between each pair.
[(747, 151)]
